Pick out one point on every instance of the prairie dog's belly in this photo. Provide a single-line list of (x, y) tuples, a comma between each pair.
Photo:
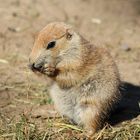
[(66, 102)]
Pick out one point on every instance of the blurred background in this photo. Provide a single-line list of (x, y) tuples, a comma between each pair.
[(114, 24)]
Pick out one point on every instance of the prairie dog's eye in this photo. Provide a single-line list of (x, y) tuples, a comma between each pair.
[(51, 44)]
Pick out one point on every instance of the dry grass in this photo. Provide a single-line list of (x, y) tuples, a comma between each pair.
[(27, 130), (24, 127)]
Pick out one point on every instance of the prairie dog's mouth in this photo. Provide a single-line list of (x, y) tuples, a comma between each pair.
[(45, 69)]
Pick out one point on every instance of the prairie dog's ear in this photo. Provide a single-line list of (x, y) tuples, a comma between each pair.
[(69, 34)]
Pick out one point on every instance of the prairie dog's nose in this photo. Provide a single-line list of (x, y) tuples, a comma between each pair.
[(36, 66)]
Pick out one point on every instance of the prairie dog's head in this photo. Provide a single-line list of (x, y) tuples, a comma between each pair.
[(56, 49)]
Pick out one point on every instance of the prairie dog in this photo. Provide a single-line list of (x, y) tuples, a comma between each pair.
[(85, 77)]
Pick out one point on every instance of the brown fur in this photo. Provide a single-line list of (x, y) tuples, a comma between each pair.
[(85, 77)]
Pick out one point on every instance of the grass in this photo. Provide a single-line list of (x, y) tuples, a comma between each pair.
[(21, 125), (25, 129)]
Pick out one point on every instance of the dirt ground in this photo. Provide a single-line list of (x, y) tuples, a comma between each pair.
[(114, 24)]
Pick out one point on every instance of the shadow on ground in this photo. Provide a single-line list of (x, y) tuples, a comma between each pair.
[(129, 106)]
